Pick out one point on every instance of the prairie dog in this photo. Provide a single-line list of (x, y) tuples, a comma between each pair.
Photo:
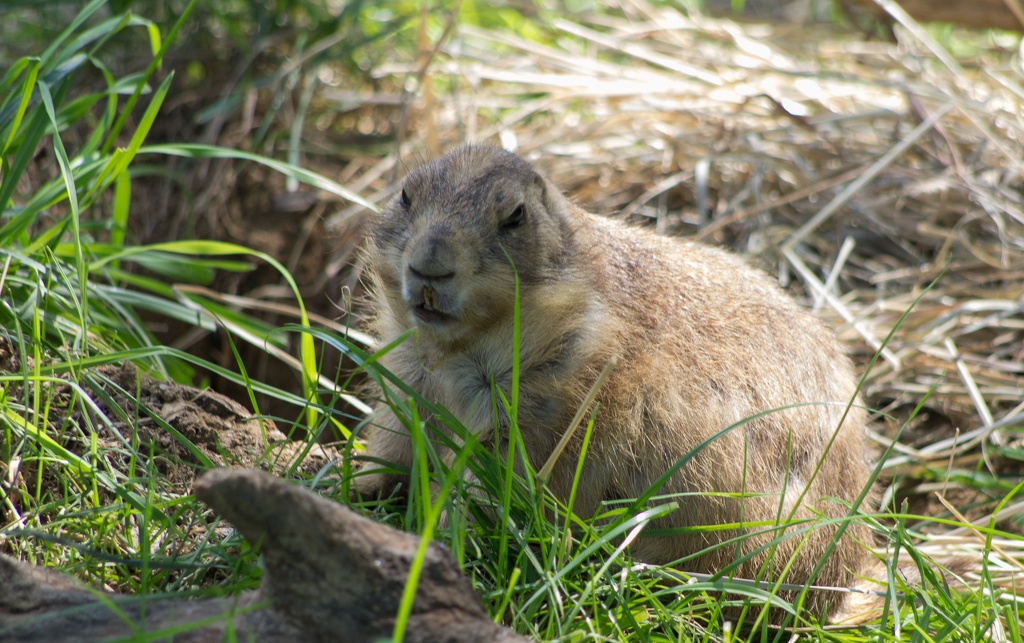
[(702, 342)]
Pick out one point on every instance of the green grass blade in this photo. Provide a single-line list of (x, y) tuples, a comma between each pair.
[(119, 212), (31, 67), (27, 145), (154, 64), (17, 421), (196, 151), (307, 351), (72, 194), (50, 54)]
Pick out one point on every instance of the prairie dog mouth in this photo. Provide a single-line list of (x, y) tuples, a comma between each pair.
[(428, 312), (430, 298)]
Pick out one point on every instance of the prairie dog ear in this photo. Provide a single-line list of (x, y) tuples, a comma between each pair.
[(554, 201), (552, 198)]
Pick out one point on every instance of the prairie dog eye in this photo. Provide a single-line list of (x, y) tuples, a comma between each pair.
[(517, 218), (404, 199)]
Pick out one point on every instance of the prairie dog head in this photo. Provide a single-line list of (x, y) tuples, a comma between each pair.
[(446, 251)]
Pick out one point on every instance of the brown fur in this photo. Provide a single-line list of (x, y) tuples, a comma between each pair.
[(702, 342)]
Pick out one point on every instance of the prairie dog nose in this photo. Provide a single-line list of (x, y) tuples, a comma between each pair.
[(432, 258)]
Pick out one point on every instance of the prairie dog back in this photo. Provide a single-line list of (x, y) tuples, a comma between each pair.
[(702, 343)]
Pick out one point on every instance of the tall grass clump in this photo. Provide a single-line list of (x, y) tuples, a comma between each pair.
[(87, 490), (82, 493)]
